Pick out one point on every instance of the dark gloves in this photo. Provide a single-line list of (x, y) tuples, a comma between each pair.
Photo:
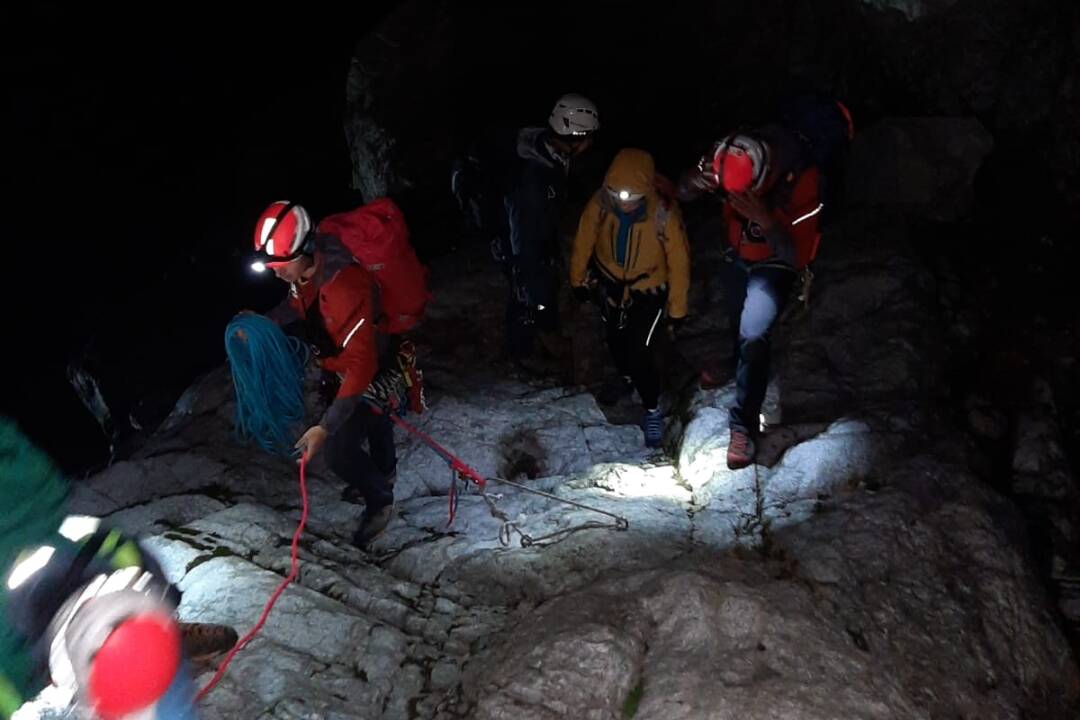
[(329, 384), (673, 326), (696, 182)]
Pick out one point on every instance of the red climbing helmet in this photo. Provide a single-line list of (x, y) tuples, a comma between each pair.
[(120, 647), (741, 163), (134, 666), (282, 234)]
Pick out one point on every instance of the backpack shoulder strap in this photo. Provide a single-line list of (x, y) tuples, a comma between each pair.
[(604, 209), (665, 204), (663, 212)]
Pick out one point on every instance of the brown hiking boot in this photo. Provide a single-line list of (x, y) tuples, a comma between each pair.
[(372, 525), (353, 494), (204, 642), (741, 450), (712, 378)]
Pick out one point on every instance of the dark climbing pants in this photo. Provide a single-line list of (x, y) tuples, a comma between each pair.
[(367, 471), (755, 296), (531, 306), (632, 336)]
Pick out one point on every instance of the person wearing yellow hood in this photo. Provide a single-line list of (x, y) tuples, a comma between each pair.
[(630, 253)]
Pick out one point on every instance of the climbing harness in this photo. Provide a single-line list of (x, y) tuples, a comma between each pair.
[(400, 388)]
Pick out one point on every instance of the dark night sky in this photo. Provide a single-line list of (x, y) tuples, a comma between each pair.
[(141, 148), (140, 156)]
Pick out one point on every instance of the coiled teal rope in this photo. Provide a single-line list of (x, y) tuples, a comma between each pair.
[(268, 374)]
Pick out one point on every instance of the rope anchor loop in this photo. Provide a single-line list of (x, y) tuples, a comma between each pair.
[(466, 475)]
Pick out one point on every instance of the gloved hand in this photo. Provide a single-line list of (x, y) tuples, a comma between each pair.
[(696, 182), (581, 294), (674, 325), (329, 384)]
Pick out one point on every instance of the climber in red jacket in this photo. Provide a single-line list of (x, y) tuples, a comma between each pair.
[(771, 213), (332, 305)]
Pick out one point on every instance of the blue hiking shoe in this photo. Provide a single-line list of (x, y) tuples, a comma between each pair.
[(652, 423)]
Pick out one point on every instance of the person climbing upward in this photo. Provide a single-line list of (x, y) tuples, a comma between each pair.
[(631, 246), (771, 208), (331, 305), (511, 189)]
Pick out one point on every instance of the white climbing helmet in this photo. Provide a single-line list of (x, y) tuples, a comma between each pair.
[(574, 116)]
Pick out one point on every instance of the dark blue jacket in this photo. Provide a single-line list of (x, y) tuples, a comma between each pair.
[(534, 199)]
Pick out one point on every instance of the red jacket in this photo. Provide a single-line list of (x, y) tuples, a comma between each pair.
[(796, 236), (346, 312)]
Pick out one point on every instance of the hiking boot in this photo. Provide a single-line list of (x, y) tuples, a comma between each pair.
[(372, 525), (528, 368), (652, 423), (203, 642), (614, 390), (354, 495), (711, 378), (741, 450)]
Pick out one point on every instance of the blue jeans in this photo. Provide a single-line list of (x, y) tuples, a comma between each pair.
[(178, 702), (755, 294)]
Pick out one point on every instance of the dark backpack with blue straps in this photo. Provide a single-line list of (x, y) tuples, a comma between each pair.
[(825, 129)]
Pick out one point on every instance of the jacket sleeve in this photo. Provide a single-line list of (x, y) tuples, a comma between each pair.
[(677, 250), (347, 302), (531, 226), (533, 234), (284, 313), (584, 242), (693, 184), (797, 220)]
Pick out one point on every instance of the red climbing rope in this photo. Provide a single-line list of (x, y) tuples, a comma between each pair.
[(459, 470), (293, 572), (458, 467)]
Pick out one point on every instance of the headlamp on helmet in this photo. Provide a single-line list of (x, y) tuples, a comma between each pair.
[(282, 234), (625, 195)]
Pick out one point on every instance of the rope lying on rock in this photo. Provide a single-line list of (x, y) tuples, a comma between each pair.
[(267, 369), (462, 472), (294, 571), (268, 373), (509, 527)]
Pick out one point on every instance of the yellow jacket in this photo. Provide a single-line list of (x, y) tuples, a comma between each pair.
[(651, 254)]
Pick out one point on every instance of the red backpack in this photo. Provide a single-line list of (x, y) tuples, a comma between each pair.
[(378, 238)]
